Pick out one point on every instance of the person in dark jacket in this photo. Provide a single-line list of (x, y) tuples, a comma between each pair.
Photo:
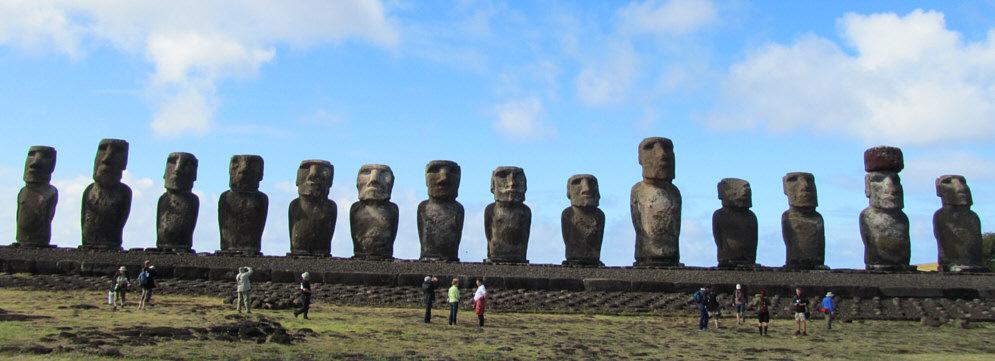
[(305, 296), (428, 287), (712, 303), (146, 280), (763, 312), (801, 313), (699, 301)]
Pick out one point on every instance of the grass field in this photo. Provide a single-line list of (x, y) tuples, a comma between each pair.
[(66, 323)]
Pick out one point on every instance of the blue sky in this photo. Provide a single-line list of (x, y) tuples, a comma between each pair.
[(750, 90)]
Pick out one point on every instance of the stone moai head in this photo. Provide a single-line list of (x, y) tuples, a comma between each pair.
[(583, 191), (245, 172), (882, 185), (800, 189), (181, 171), (735, 193), (442, 178), (375, 182), (656, 155), (953, 190), (508, 184), (40, 164), (111, 161), (314, 178)]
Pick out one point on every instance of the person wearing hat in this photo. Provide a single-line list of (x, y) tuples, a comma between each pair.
[(829, 309), (739, 302), (305, 296), (243, 289), (699, 300), (428, 286), (120, 286), (146, 280)]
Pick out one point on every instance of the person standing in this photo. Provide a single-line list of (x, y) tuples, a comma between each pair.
[(480, 301), (305, 296), (763, 312), (120, 286), (146, 280), (829, 309), (739, 302), (453, 300), (428, 288), (243, 289), (801, 313), (699, 300), (714, 308)]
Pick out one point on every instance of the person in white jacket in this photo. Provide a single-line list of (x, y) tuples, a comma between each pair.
[(480, 301), (244, 289)]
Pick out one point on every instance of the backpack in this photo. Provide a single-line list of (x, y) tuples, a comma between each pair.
[(143, 278), (698, 298)]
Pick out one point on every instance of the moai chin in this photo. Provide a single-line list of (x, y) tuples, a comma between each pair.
[(583, 223), (440, 217), (373, 218), (734, 226), (656, 206), (802, 227), (37, 199), (106, 201), (956, 227), (312, 215), (178, 207), (508, 220), (884, 228), (242, 209)]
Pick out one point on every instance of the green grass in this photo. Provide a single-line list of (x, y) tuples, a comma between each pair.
[(398, 333)]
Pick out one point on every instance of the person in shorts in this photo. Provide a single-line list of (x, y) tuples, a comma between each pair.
[(712, 303), (800, 307), (739, 302)]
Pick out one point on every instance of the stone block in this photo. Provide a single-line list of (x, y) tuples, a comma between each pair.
[(191, 273), (283, 276), (47, 268), (69, 267), (606, 285), (911, 292), (20, 266), (566, 284), (221, 274)]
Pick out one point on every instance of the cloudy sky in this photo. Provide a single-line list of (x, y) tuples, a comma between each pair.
[(750, 90)]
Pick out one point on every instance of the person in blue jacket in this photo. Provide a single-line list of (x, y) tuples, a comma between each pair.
[(829, 308)]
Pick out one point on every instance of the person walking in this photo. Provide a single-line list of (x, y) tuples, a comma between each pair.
[(763, 311), (714, 308), (146, 280), (243, 287), (801, 313), (480, 301), (829, 309), (453, 300), (305, 296), (739, 302), (120, 286), (428, 288), (699, 300)]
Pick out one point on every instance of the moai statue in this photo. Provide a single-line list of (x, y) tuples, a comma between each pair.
[(36, 201), (106, 201), (508, 220), (583, 223), (440, 217), (956, 227), (734, 226), (373, 218), (176, 214), (242, 209), (884, 228), (656, 206), (802, 227), (312, 214)]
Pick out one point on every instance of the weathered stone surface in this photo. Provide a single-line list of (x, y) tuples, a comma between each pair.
[(734, 226), (802, 227), (656, 206), (884, 228), (242, 209), (37, 200), (106, 201), (583, 223), (312, 215), (176, 213), (440, 217), (373, 219), (956, 227), (508, 220)]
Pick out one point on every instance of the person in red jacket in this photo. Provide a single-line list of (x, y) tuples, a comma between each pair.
[(480, 301)]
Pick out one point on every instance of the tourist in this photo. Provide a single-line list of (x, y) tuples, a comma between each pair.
[(801, 313), (763, 311), (480, 301), (146, 280), (244, 290), (712, 303), (305, 296), (829, 309), (739, 302), (120, 286), (428, 286), (453, 300), (699, 300)]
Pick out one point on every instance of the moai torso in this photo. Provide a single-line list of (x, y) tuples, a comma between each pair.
[(957, 228), (507, 230), (242, 210), (36, 201), (107, 201), (655, 204), (802, 227), (176, 213), (583, 224), (374, 217), (734, 226), (440, 218), (312, 215)]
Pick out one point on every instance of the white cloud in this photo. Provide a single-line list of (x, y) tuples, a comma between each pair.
[(926, 169), (192, 44), (607, 82), (519, 119), (909, 80), (674, 17)]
